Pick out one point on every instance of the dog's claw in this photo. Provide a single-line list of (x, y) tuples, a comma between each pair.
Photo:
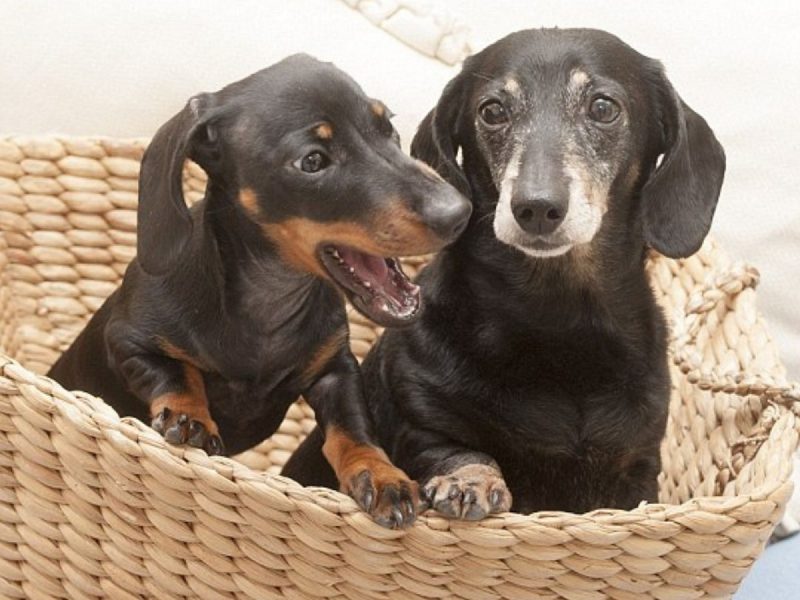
[(160, 421), (496, 498), (470, 493), (197, 434), (177, 433), (214, 446), (391, 503), (182, 429)]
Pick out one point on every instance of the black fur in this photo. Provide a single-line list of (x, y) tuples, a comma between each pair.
[(212, 290), (552, 370)]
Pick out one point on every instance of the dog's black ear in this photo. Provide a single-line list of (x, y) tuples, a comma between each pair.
[(164, 224), (437, 139), (680, 196)]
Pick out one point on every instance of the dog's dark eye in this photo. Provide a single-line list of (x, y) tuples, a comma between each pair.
[(313, 162), (603, 110), (493, 113)]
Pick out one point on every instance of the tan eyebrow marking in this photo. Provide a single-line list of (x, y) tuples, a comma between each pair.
[(378, 108), (512, 86), (324, 131), (578, 79)]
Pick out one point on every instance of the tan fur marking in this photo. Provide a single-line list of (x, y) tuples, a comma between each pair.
[(396, 231), (596, 192), (298, 239), (578, 78), (324, 131), (324, 354), (378, 108), (403, 233), (192, 401), (632, 176), (178, 354), (512, 86), (350, 458), (249, 202)]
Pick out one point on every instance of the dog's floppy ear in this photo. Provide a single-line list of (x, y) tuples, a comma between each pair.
[(680, 197), (437, 139), (164, 224)]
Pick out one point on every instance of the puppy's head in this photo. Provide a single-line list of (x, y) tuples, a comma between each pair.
[(559, 128), (301, 152)]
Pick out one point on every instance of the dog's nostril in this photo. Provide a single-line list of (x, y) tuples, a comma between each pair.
[(537, 215), (526, 214), (553, 214)]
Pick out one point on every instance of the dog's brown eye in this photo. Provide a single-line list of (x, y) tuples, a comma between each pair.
[(314, 162), (603, 110), (493, 113)]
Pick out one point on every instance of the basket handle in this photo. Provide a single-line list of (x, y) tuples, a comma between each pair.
[(720, 286)]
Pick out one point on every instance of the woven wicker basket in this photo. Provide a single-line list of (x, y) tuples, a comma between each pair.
[(92, 506)]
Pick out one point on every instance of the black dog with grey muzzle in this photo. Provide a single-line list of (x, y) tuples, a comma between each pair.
[(538, 369)]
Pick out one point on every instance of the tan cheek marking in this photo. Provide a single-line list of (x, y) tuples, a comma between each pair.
[(632, 176), (403, 233), (395, 231), (249, 202), (596, 191), (378, 109), (297, 241), (324, 131)]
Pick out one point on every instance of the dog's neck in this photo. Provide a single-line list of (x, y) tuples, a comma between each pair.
[(255, 279)]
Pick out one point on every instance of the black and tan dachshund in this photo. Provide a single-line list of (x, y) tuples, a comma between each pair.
[(231, 310), (538, 369)]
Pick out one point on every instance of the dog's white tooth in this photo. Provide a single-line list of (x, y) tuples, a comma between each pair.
[(351, 270), (367, 285)]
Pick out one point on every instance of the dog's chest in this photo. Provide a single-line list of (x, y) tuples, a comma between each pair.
[(568, 396), (251, 389)]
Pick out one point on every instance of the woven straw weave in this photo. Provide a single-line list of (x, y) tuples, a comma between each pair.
[(92, 506)]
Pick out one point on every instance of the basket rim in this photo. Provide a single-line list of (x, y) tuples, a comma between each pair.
[(99, 420)]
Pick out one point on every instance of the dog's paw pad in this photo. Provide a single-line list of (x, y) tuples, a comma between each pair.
[(470, 493)]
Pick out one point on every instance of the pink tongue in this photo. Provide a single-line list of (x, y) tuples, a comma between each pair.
[(367, 267)]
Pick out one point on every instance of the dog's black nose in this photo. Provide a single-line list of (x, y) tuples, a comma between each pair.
[(537, 215), (447, 213)]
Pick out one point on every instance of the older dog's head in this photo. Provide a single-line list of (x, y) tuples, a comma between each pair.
[(558, 128), (300, 151)]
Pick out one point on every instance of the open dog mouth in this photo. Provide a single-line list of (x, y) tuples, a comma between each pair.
[(376, 286)]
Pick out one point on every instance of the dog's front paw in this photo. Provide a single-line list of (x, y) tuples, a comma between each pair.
[(470, 493), (386, 493), (183, 428)]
